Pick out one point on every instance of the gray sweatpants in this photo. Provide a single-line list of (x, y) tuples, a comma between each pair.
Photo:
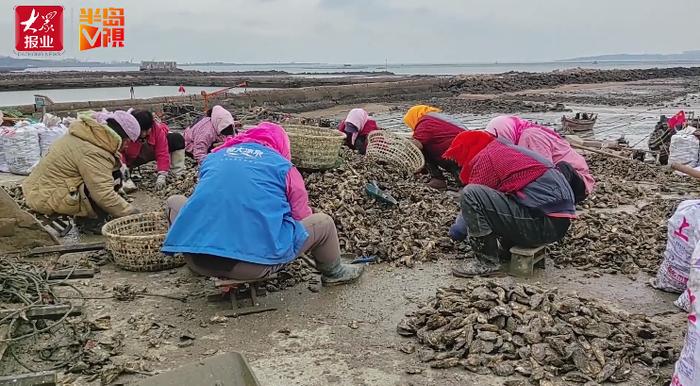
[(322, 244)]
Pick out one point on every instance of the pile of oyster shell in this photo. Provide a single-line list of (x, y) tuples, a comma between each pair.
[(414, 230), (489, 327), (617, 242)]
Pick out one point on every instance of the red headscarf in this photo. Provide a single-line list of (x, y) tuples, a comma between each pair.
[(465, 147)]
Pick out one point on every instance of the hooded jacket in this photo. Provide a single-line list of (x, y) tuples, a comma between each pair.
[(242, 207), (436, 131), (526, 176), (200, 137), (543, 141), (158, 140), (85, 158)]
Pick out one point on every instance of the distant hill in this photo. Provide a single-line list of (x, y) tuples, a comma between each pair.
[(684, 56), (20, 63)]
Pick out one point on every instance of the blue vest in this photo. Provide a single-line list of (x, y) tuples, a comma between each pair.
[(239, 209)]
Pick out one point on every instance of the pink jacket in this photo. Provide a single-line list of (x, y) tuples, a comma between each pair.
[(541, 140), (274, 137), (202, 135), (158, 140)]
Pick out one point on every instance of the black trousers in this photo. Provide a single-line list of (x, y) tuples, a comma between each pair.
[(494, 217)]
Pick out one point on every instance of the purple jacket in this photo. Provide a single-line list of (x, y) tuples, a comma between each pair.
[(200, 137)]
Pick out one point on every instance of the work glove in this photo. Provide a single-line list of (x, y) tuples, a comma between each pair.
[(437, 184), (132, 210), (458, 230), (161, 180)]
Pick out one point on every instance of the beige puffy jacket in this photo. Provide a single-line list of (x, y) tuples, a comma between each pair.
[(82, 159)]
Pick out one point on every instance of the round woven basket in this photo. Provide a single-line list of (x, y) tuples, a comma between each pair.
[(394, 149), (314, 148), (135, 242)]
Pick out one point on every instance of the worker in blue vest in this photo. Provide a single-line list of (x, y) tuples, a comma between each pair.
[(249, 214)]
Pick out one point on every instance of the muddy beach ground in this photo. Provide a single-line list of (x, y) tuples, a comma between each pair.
[(347, 335)]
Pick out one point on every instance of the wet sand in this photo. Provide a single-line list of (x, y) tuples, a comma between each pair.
[(347, 335)]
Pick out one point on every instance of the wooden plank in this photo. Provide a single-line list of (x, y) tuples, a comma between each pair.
[(44, 378), (71, 273), (68, 248), (248, 311), (592, 150), (232, 282), (52, 312), (229, 369)]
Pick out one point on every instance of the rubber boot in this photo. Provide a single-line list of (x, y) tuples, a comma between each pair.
[(487, 259), (177, 162), (338, 273)]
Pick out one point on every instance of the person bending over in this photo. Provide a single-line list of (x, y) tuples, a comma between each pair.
[(434, 133), (249, 214), (512, 196)]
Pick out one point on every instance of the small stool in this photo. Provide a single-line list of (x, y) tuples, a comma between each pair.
[(523, 260), (243, 289), (60, 223)]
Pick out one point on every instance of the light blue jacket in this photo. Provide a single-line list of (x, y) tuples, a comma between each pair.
[(239, 209)]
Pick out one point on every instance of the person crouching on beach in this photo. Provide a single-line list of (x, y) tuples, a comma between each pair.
[(77, 176), (156, 143), (262, 224), (356, 127), (550, 145), (513, 196), (434, 132), (214, 128)]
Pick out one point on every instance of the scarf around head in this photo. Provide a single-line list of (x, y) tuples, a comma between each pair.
[(357, 117), (511, 128), (465, 147), (221, 118), (129, 124), (266, 134), (415, 113)]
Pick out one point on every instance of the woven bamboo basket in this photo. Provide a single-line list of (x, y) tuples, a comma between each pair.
[(135, 242), (394, 149), (314, 148)]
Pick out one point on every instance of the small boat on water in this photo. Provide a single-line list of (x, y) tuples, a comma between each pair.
[(579, 123)]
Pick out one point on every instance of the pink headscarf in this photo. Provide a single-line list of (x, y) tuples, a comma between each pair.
[(124, 119), (265, 133), (357, 117), (511, 128), (221, 118)]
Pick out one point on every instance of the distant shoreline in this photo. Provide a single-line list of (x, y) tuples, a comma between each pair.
[(331, 70), (294, 93)]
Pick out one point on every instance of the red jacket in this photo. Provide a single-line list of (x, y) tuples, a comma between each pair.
[(435, 132), (369, 127), (158, 140)]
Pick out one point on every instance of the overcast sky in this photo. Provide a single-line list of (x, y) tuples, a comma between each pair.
[(370, 31)]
